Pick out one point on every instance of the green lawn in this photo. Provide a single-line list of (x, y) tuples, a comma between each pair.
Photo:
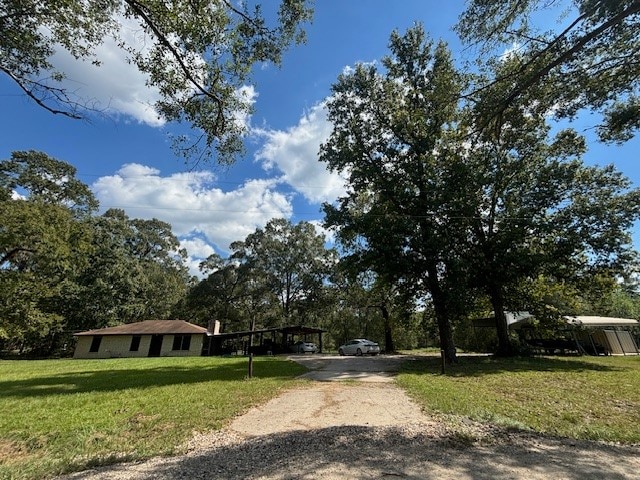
[(580, 397), (64, 415)]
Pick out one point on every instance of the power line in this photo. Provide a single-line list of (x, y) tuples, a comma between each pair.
[(319, 211), (212, 181), (212, 210)]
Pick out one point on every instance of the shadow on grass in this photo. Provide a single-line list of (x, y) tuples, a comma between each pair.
[(140, 378), (476, 366), (358, 452)]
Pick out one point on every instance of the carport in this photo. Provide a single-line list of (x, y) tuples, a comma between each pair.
[(608, 335), (584, 334), (266, 341)]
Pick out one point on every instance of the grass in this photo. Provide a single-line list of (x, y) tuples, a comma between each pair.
[(58, 416), (595, 398)]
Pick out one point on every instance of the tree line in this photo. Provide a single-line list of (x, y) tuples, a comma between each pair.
[(64, 268)]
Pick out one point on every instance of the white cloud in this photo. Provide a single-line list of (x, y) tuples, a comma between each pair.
[(294, 152), (197, 247), (247, 95), (351, 69), (198, 250), (513, 51), (192, 204), (115, 86)]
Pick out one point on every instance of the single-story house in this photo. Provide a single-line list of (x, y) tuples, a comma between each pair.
[(151, 338)]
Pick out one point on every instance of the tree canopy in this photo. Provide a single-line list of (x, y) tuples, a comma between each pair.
[(590, 58), (42, 248), (62, 269), (535, 207), (196, 54), (42, 178), (293, 262)]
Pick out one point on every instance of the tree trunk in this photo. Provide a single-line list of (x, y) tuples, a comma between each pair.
[(442, 316), (505, 348), (446, 336), (388, 334)]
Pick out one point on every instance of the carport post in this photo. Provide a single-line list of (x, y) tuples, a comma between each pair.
[(250, 369)]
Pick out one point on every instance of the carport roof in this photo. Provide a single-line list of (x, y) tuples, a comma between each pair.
[(297, 329), (519, 319), (595, 321)]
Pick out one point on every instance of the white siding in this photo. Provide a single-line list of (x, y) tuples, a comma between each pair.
[(115, 346)]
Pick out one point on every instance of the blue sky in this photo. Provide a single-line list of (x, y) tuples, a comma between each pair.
[(124, 154)]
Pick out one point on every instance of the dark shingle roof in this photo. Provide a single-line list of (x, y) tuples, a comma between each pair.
[(150, 327)]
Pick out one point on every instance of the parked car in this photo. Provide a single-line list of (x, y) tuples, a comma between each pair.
[(359, 346), (304, 347)]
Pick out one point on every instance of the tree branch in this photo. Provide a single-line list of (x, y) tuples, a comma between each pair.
[(35, 98), (565, 56), (536, 76), (139, 10), (245, 17)]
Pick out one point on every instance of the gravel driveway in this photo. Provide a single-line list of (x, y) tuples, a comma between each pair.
[(369, 428)]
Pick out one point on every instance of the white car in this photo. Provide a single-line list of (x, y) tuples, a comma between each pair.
[(359, 346), (304, 347)]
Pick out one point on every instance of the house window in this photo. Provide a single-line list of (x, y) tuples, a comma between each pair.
[(135, 343), (95, 343), (181, 342)]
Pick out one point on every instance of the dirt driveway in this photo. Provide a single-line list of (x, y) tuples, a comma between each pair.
[(377, 369), (369, 428), (373, 401)]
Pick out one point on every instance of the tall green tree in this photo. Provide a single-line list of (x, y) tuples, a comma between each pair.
[(42, 249), (274, 277), (223, 294), (590, 57), (196, 54), (391, 136), (44, 241), (135, 272), (39, 177), (293, 262)]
